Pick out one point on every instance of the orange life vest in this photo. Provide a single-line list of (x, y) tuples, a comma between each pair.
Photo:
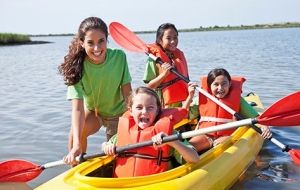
[(173, 88), (212, 114), (145, 160)]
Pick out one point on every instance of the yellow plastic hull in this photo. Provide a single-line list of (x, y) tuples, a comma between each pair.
[(218, 168)]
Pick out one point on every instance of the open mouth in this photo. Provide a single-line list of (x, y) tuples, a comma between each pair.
[(144, 120)]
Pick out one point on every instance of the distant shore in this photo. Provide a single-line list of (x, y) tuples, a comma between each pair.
[(24, 43), (242, 27), (10, 39), (19, 39), (212, 28)]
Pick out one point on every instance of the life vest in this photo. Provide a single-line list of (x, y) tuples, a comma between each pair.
[(145, 160), (173, 88), (212, 114)]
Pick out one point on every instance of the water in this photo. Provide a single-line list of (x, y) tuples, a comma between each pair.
[(35, 115)]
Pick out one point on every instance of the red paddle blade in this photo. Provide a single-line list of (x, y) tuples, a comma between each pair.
[(127, 39), (18, 171), (295, 155), (284, 112)]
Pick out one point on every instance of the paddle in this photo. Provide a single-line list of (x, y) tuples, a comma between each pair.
[(23, 171), (128, 40)]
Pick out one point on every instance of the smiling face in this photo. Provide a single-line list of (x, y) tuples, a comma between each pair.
[(144, 109), (169, 40), (220, 86), (95, 45)]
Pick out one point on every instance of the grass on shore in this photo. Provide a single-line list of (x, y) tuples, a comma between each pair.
[(10, 38)]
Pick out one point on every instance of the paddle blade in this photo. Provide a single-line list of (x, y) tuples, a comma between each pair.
[(18, 171), (126, 39), (284, 112), (295, 155)]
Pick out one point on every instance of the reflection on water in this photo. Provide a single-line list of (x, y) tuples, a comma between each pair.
[(35, 115)]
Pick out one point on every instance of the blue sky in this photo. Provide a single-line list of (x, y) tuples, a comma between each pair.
[(64, 16)]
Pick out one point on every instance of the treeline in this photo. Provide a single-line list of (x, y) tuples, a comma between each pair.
[(242, 27)]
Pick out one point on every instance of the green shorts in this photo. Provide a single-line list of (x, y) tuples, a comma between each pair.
[(111, 123)]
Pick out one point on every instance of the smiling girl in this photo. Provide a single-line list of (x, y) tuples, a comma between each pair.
[(158, 76), (147, 120), (98, 81), (228, 90)]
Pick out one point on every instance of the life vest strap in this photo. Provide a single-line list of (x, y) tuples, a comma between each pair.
[(214, 119), (159, 158), (166, 84)]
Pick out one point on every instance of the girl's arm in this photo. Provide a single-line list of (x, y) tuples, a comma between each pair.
[(126, 89), (189, 154), (248, 111), (78, 119), (154, 83)]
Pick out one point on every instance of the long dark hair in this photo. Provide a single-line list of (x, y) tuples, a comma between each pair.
[(72, 67)]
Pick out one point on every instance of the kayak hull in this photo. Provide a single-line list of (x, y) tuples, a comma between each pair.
[(218, 168)]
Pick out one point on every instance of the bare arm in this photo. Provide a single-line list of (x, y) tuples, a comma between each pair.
[(154, 83), (77, 120), (189, 155), (126, 89)]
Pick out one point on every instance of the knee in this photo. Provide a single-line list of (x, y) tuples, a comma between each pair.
[(89, 130)]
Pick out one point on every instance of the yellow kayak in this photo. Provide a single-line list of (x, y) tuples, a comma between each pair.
[(218, 168)]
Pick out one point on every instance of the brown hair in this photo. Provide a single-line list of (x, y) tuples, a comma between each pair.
[(72, 67), (145, 90)]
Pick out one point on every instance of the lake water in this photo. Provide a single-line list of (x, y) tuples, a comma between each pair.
[(35, 115)]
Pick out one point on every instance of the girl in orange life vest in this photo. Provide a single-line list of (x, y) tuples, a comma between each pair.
[(228, 90), (146, 120), (170, 88)]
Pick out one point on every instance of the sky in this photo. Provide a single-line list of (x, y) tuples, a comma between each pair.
[(64, 16)]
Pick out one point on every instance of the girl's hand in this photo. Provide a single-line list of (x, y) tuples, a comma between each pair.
[(266, 133), (191, 88), (166, 67), (108, 148), (70, 158), (157, 139)]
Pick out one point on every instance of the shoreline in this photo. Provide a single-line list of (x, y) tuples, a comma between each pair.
[(25, 43), (200, 29), (211, 28)]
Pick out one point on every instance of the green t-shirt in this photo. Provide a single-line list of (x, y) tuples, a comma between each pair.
[(173, 152), (100, 85), (245, 109)]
